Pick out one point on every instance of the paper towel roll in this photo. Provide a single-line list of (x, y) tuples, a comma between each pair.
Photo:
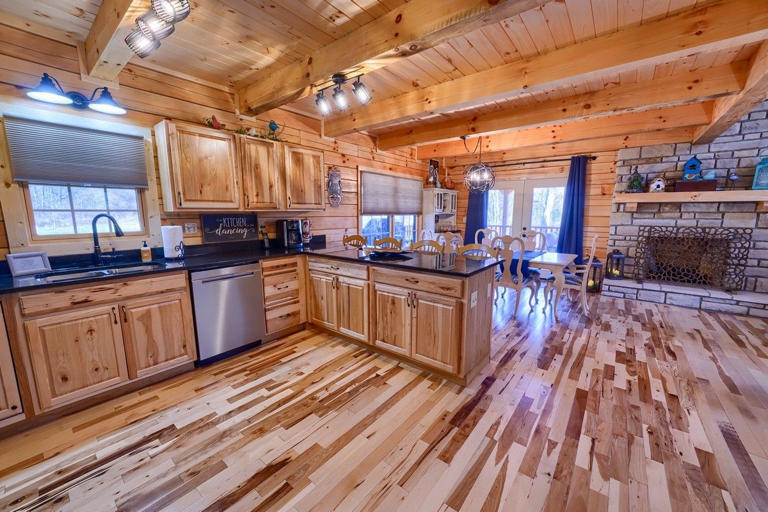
[(173, 242)]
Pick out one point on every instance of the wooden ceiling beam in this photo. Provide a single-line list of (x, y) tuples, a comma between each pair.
[(407, 30), (681, 116), (660, 92), (718, 25), (729, 110), (105, 52)]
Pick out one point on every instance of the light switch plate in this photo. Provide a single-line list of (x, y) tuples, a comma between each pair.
[(190, 228)]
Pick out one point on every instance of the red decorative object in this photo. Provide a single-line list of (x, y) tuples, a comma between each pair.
[(214, 123)]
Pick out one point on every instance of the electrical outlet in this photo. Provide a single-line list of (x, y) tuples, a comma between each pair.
[(190, 228)]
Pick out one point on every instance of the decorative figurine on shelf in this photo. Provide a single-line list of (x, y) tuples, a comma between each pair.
[(636, 182), (447, 181), (659, 184), (306, 235), (252, 132), (732, 179), (692, 170), (335, 194), (433, 174), (274, 131), (761, 175), (214, 123)]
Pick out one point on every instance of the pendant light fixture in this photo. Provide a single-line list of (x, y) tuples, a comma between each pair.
[(340, 98), (478, 177), (49, 90), (156, 24)]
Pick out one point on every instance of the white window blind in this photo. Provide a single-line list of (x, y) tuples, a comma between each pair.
[(67, 155), (385, 193)]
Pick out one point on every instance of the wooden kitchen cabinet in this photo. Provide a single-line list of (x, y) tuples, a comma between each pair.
[(304, 179), (76, 354), (392, 318), (10, 400), (435, 336), (199, 167), (158, 333), (322, 303), (352, 307), (261, 178), (284, 305)]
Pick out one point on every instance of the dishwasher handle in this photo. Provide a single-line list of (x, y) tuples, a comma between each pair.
[(230, 276)]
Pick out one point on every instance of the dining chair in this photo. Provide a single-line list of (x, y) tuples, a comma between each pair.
[(576, 278), (512, 276), (476, 251), (427, 246), (488, 236), (354, 241), (426, 234), (534, 240), (388, 242), (450, 242)]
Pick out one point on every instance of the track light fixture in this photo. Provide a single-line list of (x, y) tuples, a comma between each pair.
[(156, 24), (340, 97), (49, 90)]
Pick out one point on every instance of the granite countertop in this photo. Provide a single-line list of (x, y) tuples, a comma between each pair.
[(203, 258)]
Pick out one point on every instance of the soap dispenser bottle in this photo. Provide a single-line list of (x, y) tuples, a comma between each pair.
[(146, 252)]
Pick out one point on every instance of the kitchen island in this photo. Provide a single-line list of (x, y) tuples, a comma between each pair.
[(432, 310)]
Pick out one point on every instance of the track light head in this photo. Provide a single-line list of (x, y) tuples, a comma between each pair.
[(340, 98), (361, 92), (171, 11), (323, 105), (140, 43), (153, 26)]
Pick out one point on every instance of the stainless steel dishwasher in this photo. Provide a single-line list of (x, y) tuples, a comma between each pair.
[(229, 310)]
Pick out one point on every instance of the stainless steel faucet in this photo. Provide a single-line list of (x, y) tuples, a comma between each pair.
[(96, 247)]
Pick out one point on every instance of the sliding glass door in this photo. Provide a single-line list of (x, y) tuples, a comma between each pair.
[(537, 205)]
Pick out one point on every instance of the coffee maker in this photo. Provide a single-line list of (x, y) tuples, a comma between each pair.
[(289, 233)]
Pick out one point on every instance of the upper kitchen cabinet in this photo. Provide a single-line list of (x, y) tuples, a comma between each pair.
[(304, 183), (261, 180), (198, 167)]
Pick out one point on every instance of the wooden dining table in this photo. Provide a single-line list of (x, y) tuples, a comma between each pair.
[(555, 262)]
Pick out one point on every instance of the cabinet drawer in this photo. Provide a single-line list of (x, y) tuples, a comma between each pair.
[(91, 294), (339, 268), (423, 282), (278, 265), (283, 316), (278, 287)]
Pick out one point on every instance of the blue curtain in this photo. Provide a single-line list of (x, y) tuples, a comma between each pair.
[(571, 237), (476, 215)]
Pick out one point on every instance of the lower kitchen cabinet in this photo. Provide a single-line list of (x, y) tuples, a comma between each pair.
[(352, 310), (158, 333), (392, 318), (10, 401), (322, 303), (76, 354), (436, 331), (283, 293)]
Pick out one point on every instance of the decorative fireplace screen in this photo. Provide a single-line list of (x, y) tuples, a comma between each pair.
[(712, 257)]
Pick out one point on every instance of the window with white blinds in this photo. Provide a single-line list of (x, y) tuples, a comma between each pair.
[(389, 194), (54, 154)]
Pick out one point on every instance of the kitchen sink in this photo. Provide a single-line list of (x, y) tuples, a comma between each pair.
[(70, 274)]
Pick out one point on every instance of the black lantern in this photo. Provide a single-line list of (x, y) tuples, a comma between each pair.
[(595, 276), (615, 265)]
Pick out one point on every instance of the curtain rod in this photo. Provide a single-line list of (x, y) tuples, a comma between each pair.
[(589, 157)]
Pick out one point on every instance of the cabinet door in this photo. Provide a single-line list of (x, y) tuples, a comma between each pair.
[(158, 333), (435, 333), (204, 167), (322, 303), (352, 307), (76, 354), (261, 184), (10, 401), (392, 318), (304, 184)]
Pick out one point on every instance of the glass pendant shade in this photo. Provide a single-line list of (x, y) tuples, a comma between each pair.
[(153, 26), (323, 105), (141, 45), (340, 98), (171, 11), (49, 92), (361, 92), (479, 177), (106, 104)]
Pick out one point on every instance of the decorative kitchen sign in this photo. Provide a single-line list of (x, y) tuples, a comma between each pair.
[(229, 228)]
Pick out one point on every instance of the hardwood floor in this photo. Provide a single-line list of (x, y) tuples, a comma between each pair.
[(643, 408)]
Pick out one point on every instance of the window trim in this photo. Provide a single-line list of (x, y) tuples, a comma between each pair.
[(144, 219), (13, 201)]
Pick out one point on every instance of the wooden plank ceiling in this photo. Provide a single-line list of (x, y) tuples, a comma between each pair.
[(229, 42)]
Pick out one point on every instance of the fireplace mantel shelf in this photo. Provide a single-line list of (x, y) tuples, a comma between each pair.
[(720, 196)]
